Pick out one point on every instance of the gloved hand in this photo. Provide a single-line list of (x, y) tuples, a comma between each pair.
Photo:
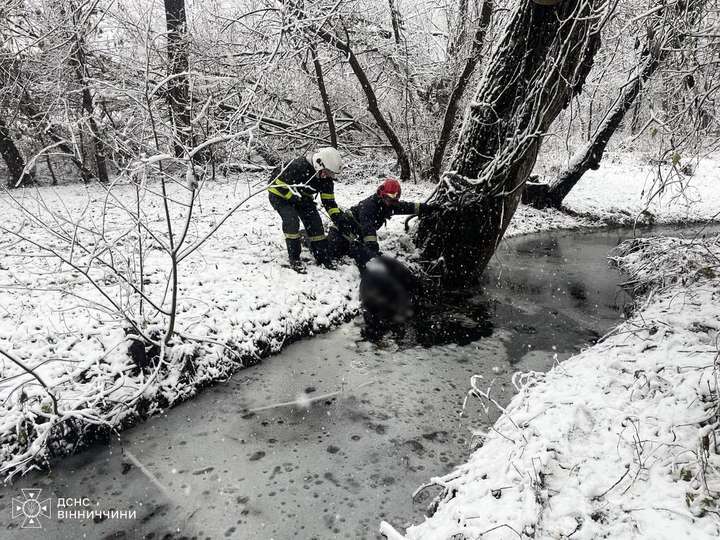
[(345, 224), (304, 199), (361, 254), (426, 209)]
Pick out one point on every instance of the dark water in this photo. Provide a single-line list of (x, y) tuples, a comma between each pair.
[(370, 422)]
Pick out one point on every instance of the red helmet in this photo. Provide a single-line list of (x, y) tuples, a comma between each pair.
[(389, 190)]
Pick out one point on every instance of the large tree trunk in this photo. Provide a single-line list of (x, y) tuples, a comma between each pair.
[(13, 159), (540, 60), (662, 38), (459, 90), (178, 95)]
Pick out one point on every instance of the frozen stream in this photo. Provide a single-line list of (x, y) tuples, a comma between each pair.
[(235, 462)]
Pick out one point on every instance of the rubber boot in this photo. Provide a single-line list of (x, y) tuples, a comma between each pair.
[(294, 247), (321, 251)]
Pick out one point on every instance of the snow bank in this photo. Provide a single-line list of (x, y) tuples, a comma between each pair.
[(620, 441), (237, 304), (625, 190)]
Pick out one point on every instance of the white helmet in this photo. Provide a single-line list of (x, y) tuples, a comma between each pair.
[(328, 158)]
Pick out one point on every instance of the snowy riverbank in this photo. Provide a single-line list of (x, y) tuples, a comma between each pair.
[(620, 441), (236, 303)]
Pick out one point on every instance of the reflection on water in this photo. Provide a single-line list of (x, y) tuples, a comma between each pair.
[(558, 281), (334, 434)]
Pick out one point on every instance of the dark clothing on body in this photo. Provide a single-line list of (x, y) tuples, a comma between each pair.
[(366, 218), (292, 215)]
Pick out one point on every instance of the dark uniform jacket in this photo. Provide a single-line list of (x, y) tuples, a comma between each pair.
[(370, 214), (299, 176)]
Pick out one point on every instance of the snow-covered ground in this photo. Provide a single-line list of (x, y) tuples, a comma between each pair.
[(237, 302), (624, 191)]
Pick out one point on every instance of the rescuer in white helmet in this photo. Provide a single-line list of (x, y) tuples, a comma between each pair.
[(292, 191)]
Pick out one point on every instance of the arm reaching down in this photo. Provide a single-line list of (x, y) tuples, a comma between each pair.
[(327, 197), (368, 231)]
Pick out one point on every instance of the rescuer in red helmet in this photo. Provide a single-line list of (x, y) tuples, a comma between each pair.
[(369, 215)]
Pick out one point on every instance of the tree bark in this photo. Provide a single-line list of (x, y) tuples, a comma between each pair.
[(178, 95), (540, 60), (79, 61), (324, 95), (396, 21), (459, 89), (635, 122), (456, 42), (13, 159), (371, 99), (661, 39)]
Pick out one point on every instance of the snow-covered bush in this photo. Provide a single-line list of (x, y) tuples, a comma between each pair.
[(662, 261)]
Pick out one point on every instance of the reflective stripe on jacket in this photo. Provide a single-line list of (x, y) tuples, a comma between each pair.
[(370, 214), (300, 178)]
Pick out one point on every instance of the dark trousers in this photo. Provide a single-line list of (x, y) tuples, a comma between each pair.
[(339, 246), (291, 215)]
